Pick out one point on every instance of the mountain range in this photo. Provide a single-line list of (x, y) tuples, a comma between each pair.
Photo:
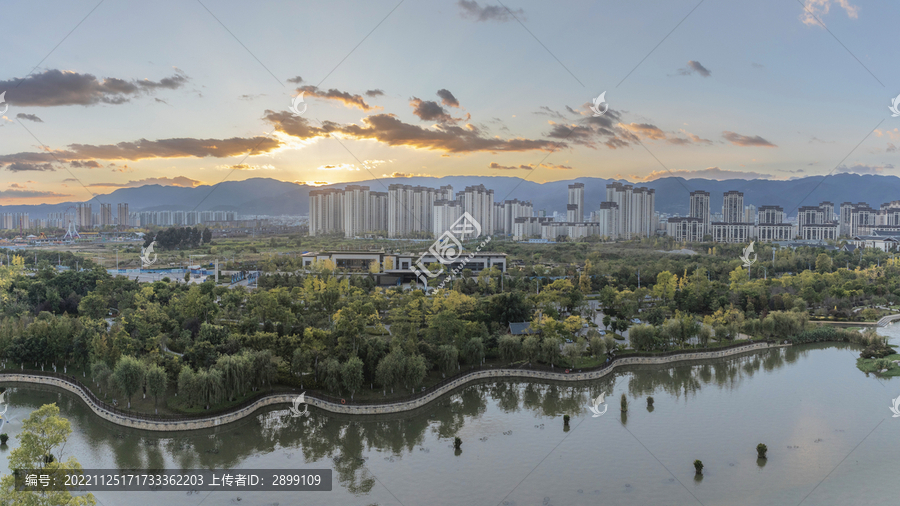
[(264, 196)]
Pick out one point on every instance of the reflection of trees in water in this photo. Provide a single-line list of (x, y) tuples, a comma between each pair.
[(506, 395), (688, 379), (345, 440)]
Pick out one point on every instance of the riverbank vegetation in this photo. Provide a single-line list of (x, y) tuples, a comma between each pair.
[(181, 348)]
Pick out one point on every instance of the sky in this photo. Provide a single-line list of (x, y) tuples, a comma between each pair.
[(100, 96)]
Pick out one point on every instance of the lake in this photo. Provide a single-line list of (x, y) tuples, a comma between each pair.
[(831, 436)]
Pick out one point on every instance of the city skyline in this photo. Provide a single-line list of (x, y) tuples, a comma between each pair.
[(96, 116)]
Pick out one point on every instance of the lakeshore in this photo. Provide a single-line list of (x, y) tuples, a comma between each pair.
[(155, 423)]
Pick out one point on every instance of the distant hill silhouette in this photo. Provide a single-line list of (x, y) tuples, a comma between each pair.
[(264, 196)]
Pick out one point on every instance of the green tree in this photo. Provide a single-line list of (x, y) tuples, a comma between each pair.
[(187, 385), (598, 347), (703, 334), (643, 337), (333, 375), (93, 305), (666, 285), (129, 376), (572, 351), (235, 373), (531, 347), (447, 358), (414, 371), (823, 263), (551, 348), (390, 370), (352, 374), (474, 351), (41, 442), (210, 387), (510, 347), (101, 374), (156, 384), (300, 362)]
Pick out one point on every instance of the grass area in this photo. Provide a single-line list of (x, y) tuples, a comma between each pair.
[(868, 365)]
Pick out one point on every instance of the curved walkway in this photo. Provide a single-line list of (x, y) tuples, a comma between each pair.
[(156, 424), (888, 319)]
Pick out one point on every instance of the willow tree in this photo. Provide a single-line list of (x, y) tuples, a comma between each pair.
[(187, 385), (210, 387), (156, 384), (414, 371), (510, 347), (236, 373), (101, 373), (129, 376), (390, 370), (352, 374), (300, 362), (333, 375), (474, 351), (447, 358)]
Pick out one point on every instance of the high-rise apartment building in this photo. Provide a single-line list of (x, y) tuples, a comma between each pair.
[(636, 209), (733, 207), (700, 209), (122, 215), (83, 215), (106, 219), (732, 228), (608, 219), (772, 225), (478, 201), (688, 229), (411, 208), (325, 211), (506, 212), (576, 199), (572, 213), (816, 223), (750, 214)]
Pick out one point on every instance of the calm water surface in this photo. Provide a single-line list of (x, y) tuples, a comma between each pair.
[(831, 437)]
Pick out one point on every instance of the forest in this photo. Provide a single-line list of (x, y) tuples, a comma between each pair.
[(341, 334)]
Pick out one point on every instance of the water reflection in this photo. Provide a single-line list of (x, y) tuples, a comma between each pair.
[(346, 443)]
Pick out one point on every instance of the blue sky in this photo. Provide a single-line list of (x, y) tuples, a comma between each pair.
[(162, 92)]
